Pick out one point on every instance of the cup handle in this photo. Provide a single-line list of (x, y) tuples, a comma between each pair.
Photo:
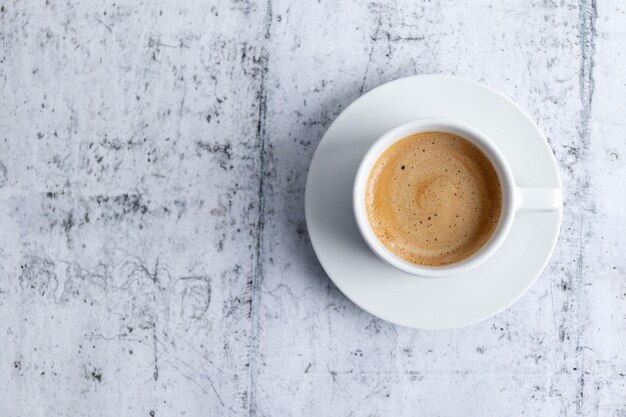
[(539, 199)]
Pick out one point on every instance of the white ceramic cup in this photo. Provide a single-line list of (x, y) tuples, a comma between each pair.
[(514, 198)]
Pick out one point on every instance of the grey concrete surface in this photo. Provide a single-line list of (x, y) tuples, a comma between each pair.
[(154, 259)]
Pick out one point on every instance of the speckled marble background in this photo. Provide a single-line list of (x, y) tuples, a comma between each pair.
[(154, 258)]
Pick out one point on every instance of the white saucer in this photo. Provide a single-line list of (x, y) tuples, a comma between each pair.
[(392, 295)]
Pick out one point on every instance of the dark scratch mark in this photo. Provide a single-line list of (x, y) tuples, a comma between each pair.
[(257, 277), (3, 175), (407, 38), (180, 112), (166, 45), (211, 383), (105, 25), (155, 356), (182, 102), (244, 54), (306, 371), (588, 14), (371, 53), (154, 276), (581, 392), (588, 17), (388, 36), (333, 373)]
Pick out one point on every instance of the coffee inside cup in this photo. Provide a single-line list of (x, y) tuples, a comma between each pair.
[(433, 198)]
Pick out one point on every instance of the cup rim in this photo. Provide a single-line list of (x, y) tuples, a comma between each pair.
[(469, 133)]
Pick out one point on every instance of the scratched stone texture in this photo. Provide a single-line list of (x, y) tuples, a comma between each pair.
[(154, 258)]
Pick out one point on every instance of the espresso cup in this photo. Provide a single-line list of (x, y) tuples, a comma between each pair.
[(514, 197)]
